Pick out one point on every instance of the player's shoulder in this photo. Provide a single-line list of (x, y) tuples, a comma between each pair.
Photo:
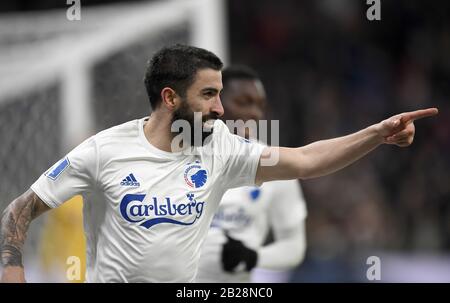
[(220, 128), (121, 132), (215, 143), (286, 197), (224, 137)]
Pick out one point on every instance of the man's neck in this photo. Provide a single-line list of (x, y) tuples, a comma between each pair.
[(157, 130)]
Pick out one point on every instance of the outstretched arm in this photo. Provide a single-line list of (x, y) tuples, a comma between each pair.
[(14, 226), (327, 156)]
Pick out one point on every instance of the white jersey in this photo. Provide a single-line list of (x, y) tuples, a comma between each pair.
[(247, 214), (157, 206)]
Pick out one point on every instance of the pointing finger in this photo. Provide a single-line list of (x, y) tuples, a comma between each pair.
[(418, 114)]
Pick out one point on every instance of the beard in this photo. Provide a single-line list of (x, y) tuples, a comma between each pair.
[(200, 130)]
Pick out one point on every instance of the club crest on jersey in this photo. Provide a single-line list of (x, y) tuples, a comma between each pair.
[(135, 209), (195, 175)]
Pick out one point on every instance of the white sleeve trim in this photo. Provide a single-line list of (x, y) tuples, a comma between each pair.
[(43, 197)]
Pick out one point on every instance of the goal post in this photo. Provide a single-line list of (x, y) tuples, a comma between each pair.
[(62, 81)]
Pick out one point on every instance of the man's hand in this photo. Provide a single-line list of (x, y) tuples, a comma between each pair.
[(399, 129), (13, 274), (234, 252)]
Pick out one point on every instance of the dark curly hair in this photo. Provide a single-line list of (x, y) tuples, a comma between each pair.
[(176, 67)]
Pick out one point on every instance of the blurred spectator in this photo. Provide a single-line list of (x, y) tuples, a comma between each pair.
[(330, 71)]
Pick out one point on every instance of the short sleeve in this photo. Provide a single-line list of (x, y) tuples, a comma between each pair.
[(240, 157), (73, 175)]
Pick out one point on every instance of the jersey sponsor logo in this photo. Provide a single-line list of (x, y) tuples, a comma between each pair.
[(195, 176), (231, 219), (130, 180), (135, 209), (57, 169)]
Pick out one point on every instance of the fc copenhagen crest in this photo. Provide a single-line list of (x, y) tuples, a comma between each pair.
[(195, 175)]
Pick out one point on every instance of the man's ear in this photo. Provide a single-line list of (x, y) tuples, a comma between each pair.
[(169, 98)]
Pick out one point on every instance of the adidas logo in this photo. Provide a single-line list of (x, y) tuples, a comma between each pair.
[(130, 180)]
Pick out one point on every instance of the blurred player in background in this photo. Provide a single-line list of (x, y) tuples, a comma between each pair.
[(234, 245), (160, 199)]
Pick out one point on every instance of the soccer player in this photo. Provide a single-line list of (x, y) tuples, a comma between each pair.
[(161, 194), (234, 244)]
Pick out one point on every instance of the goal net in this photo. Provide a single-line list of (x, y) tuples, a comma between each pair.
[(62, 81)]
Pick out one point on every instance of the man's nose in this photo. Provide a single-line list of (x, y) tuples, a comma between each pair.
[(217, 107)]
